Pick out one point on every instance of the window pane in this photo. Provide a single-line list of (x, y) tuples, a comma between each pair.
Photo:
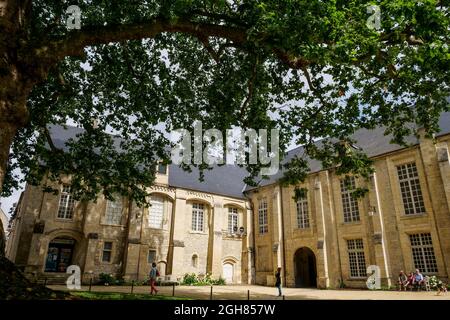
[(66, 203), (156, 211), (262, 216), (302, 213), (106, 256), (197, 216), (107, 248), (423, 252), (232, 220), (114, 211), (151, 256), (410, 189), (349, 203), (357, 260), (162, 168)]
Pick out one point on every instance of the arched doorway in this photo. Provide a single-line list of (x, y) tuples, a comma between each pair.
[(59, 254), (305, 268), (228, 271)]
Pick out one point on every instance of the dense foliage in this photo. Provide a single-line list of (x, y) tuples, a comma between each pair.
[(311, 68)]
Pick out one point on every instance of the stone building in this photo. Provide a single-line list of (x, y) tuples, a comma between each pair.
[(4, 220), (327, 238), (190, 227)]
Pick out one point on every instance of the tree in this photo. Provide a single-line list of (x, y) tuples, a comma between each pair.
[(318, 66)]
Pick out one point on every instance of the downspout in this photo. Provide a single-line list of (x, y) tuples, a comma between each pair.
[(252, 207), (127, 236), (282, 234), (140, 243), (42, 199)]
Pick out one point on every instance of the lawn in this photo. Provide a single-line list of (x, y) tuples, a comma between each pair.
[(86, 295)]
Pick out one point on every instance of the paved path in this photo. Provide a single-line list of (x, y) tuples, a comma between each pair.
[(239, 292)]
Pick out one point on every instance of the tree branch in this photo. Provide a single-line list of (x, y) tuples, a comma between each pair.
[(76, 41)]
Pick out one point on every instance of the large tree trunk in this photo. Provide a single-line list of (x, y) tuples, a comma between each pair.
[(13, 115), (7, 132)]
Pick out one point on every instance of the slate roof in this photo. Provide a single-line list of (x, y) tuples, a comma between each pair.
[(372, 142), (227, 180)]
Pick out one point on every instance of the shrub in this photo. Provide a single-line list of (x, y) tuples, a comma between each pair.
[(201, 280), (106, 279), (190, 279), (219, 282)]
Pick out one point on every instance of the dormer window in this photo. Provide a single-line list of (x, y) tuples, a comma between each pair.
[(162, 168)]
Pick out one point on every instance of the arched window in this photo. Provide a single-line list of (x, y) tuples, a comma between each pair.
[(114, 211), (156, 210), (195, 261)]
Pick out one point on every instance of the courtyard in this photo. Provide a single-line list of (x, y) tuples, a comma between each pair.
[(241, 292)]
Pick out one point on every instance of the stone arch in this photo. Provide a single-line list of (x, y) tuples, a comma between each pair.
[(229, 269), (60, 232), (236, 205), (162, 267), (163, 194), (305, 267), (205, 201)]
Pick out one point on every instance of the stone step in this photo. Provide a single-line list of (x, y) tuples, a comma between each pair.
[(53, 278)]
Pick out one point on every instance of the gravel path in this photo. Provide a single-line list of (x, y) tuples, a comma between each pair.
[(239, 292)]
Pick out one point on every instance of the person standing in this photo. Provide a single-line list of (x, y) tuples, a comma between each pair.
[(154, 273), (278, 281)]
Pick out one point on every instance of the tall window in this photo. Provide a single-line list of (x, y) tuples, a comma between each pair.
[(302, 213), (107, 251), (349, 203), (66, 204), (114, 211), (357, 261), (423, 252), (232, 220), (410, 189), (198, 213), (151, 256), (262, 216), (156, 211)]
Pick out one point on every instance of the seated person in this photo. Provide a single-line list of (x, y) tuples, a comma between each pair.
[(410, 280), (418, 279), (402, 281)]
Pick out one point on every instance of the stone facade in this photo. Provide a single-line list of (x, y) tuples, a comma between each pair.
[(326, 239), (322, 252), (133, 243), (4, 220)]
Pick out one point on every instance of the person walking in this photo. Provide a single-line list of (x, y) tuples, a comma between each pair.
[(154, 273), (278, 281)]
